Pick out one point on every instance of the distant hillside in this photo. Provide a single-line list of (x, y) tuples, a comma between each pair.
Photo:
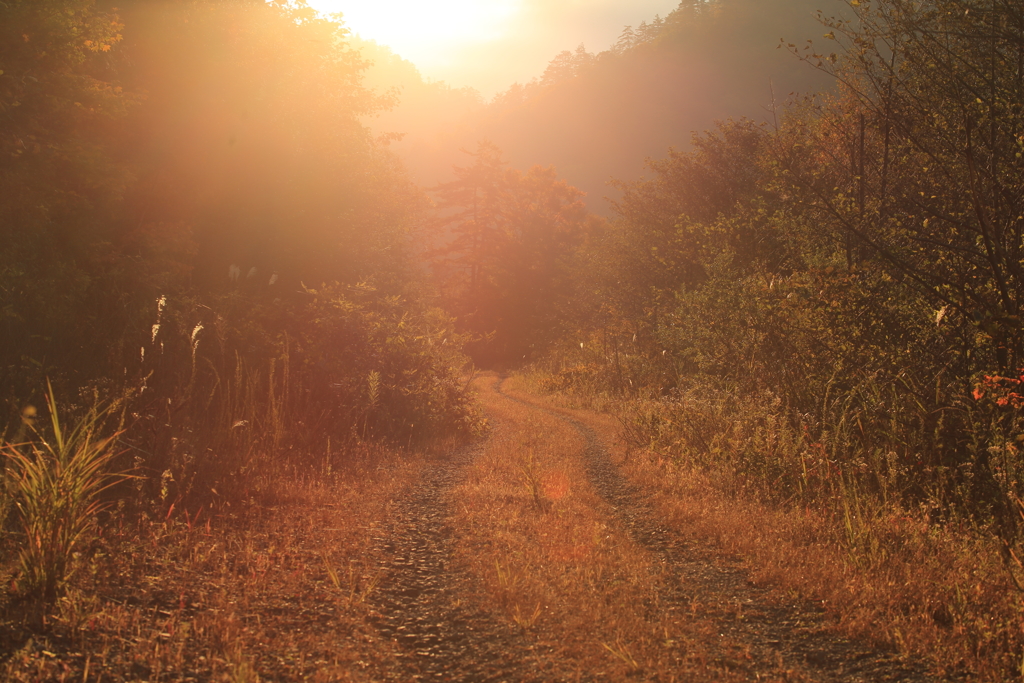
[(597, 116)]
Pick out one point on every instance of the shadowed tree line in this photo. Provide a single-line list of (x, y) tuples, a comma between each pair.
[(197, 227)]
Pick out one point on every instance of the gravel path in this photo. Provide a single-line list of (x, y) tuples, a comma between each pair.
[(791, 639), (421, 600), (424, 604)]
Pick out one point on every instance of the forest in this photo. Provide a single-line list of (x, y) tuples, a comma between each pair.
[(261, 281)]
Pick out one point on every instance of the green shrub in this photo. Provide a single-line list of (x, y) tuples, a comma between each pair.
[(58, 480)]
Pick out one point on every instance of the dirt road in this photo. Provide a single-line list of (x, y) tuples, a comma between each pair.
[(532, 557)]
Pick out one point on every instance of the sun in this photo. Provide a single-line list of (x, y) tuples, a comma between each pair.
[(429, 34)]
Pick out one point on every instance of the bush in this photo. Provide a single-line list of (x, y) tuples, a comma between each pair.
[(239, 391), (58, 480)]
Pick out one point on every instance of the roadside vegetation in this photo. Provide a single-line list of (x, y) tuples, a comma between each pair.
[(815, 324)]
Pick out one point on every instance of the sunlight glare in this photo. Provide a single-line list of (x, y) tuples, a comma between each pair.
[(426, 33)]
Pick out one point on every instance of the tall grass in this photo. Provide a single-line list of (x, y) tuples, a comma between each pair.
[(6, 497), (238, 392), (893, 501), (57, 481)]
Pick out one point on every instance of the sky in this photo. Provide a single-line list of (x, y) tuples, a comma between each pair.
[(490, 44)]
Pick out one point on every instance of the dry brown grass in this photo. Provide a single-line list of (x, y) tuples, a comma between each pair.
[(281, 591), (566, 572), (929, 590), (277, 591)]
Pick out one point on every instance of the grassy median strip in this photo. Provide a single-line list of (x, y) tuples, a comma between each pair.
[(554, 560)]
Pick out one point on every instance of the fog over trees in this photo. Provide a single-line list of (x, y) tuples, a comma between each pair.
[(598, 111)]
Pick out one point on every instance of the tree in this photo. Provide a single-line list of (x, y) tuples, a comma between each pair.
[(665, 235), (60, 190), (251, 133), (566, 66), (917, 162), (507, 241)]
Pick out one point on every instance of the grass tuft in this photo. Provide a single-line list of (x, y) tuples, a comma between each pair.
[(57, 484), (529, 470)]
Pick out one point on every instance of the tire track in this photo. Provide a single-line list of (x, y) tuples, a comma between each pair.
[(787, 640), (421, 601)]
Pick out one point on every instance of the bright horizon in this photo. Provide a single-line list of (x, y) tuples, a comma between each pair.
[(490, 45)]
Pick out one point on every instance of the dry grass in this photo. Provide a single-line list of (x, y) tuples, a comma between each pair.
[(887, 576), (282, 591), (565, 572), (277, 592)]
